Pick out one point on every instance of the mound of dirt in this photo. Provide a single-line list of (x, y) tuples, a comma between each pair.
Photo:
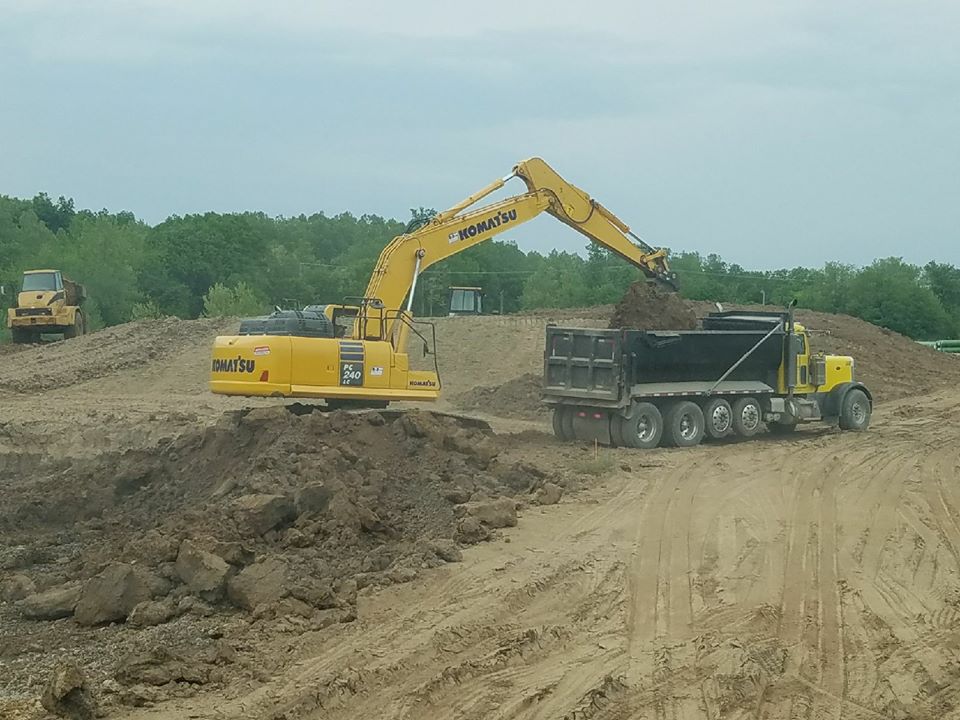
[(517, 398), (28, 369), (279, 512), (649, 306)]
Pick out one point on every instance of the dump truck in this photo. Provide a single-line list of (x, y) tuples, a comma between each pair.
[(734, 374), (48, 304)]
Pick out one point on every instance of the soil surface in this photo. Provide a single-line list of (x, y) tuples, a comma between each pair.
[(214, 557)]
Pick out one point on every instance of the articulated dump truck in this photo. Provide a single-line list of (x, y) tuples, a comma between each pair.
[(49, 304), (739, 371)]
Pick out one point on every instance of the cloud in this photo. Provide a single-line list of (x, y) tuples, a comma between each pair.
[(773, 133)]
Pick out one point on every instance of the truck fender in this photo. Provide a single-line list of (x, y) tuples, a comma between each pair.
[(834, 400)]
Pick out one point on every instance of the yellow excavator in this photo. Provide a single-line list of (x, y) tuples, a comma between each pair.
[(356, 354)]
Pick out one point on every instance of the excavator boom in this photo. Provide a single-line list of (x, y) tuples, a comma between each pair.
[(372, 366), (457, 229)]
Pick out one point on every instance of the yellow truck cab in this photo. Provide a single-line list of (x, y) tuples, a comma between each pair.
[(48, 304)]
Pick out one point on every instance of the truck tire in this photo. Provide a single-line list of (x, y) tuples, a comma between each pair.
[(855, 411), (21, 336), (683, 424), (747, 417), (718, 418), (563, 422), (642, 430)]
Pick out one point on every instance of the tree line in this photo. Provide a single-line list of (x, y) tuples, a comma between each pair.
[(245, 263)]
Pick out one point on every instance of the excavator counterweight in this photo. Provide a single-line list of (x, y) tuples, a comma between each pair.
[(369, 363)]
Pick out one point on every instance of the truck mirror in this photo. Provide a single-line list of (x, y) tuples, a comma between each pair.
[(426, 349), (3, 289)]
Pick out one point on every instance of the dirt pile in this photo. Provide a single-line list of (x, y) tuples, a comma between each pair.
[(518, 398), (144, 342), (275, 514), (649, 306)]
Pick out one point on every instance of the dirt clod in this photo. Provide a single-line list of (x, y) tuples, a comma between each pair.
[(111, 595), (67, 695), (203, 572), (52, 604)]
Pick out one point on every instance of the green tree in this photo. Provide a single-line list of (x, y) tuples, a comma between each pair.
[(237, 301)]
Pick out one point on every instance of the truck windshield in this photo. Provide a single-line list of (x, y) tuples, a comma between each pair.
[(39, 281)]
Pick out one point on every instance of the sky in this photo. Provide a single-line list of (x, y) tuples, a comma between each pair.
[(774, 134)]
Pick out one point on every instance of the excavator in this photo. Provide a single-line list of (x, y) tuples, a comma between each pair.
[(355, 354)]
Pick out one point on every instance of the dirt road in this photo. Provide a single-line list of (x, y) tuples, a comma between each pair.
[(810, 577)]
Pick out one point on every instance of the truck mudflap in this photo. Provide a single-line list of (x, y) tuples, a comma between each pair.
[(832, 402)]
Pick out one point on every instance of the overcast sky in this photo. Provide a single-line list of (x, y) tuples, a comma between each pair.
[(773, 133)]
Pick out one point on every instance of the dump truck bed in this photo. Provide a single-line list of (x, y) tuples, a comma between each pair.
[(599, 365)]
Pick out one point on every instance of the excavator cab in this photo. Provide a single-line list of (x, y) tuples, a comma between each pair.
[(465, 301)]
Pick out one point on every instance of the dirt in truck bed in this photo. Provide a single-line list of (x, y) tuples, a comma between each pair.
[(192, 555), (649, 306)]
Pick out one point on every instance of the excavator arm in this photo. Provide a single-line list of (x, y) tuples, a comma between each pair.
[(450, 232)]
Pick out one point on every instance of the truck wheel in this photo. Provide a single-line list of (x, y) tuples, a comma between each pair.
[(683, 424), (718, 418), (563, 423), (747, 417), (642, 430), (855, 412), (20, 335)]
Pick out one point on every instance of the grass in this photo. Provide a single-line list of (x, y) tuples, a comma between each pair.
[(597, 465)]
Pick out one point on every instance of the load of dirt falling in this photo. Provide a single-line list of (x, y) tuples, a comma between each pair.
[(518, 398), (273, 514), (649, 306)]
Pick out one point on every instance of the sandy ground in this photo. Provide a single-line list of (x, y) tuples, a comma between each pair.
[(810, 577)]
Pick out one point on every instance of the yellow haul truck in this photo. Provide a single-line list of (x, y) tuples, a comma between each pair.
[(48, 304), (357, 353), (739, 371)]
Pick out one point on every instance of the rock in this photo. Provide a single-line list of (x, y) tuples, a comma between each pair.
[(494, 513), (313, 498), (295, 538), (446, 550), (258, 514), (160, 666), (67, 695), (260, 583), (58, 602), (292, 607), (194, 606), (549, 494), (402, 574), (233, 552), (153, 548), (457, 495), (111, 595), (150, 613), (16, 587), (470, 531), (369, 520), (315, 593), (203, 572)]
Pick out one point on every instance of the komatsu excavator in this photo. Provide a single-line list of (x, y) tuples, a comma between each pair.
[(356, 354)]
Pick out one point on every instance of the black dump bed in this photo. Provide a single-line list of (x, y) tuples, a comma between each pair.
[(298, 323), (590, 364)]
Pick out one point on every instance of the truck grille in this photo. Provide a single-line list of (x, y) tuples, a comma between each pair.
[(31, 312)]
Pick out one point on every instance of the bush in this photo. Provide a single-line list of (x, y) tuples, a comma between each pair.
[(222, 301), (148, 310)]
